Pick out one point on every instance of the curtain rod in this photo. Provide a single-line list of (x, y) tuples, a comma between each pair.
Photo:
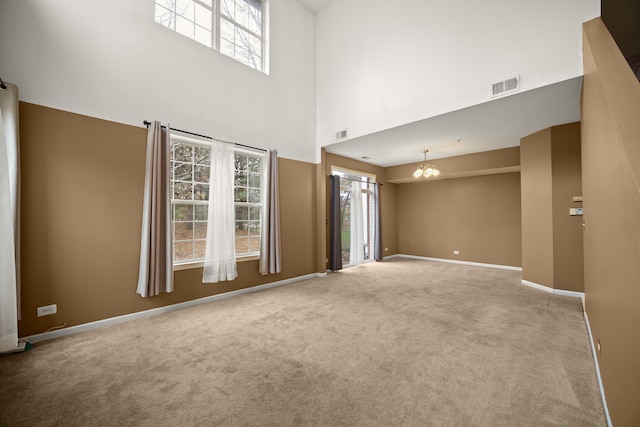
[(147, 123), (356, 180)]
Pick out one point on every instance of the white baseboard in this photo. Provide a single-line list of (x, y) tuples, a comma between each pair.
[(597, 365), (455, 261), (160, 310), (552, 290)]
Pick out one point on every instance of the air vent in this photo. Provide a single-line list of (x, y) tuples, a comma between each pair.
[(506, 86), (341, 135)]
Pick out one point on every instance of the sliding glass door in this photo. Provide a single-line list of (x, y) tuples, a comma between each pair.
[(356, 216)]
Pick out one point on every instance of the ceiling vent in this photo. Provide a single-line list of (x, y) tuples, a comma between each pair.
[(341, 135), (505, 86)]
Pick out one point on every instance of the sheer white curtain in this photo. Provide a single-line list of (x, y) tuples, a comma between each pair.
[(9, 217), (356, 252), (220, 252)]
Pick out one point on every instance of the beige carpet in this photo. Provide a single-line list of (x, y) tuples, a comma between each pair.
[(397, 343)]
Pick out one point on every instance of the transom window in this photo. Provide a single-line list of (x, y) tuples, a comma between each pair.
[(233, 27), (190, 175)]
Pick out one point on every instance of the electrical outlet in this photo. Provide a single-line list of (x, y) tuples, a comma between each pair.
[(47, 310), (598, 346), (386, 249), (456, 252)]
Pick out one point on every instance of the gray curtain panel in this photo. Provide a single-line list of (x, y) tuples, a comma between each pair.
[(378, 253), (335, 240), (270, 251), (156, 255)]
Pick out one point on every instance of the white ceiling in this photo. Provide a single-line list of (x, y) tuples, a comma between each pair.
[(496, 124), (315, 5)]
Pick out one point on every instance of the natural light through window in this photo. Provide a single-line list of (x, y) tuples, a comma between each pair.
[(248, 202), (233, 27), (356, 215), (190, 174)]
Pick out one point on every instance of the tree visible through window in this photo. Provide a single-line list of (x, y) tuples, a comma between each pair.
[(190, 175), (234, 27), (346, 217), (241, 31), (248, 202)]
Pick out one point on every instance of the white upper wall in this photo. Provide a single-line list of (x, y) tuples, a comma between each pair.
[(109, 59), (382, 64)]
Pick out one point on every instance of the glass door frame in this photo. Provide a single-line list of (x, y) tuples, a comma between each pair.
[(368, 180)]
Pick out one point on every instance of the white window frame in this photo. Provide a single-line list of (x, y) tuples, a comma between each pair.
[(214, 7), (194, 142), (245, 151)]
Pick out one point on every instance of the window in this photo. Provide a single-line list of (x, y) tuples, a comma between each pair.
[(234, 27), (248, 202), (190, 174)]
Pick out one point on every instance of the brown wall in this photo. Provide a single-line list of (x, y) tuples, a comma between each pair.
[(322, 215), (388, 196), (568, 257), (611, 173), (390, 219), (82, 185), (537, 208), (551, 238), (478, 216)]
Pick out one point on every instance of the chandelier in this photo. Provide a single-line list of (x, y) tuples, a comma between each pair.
[(426, 170)]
